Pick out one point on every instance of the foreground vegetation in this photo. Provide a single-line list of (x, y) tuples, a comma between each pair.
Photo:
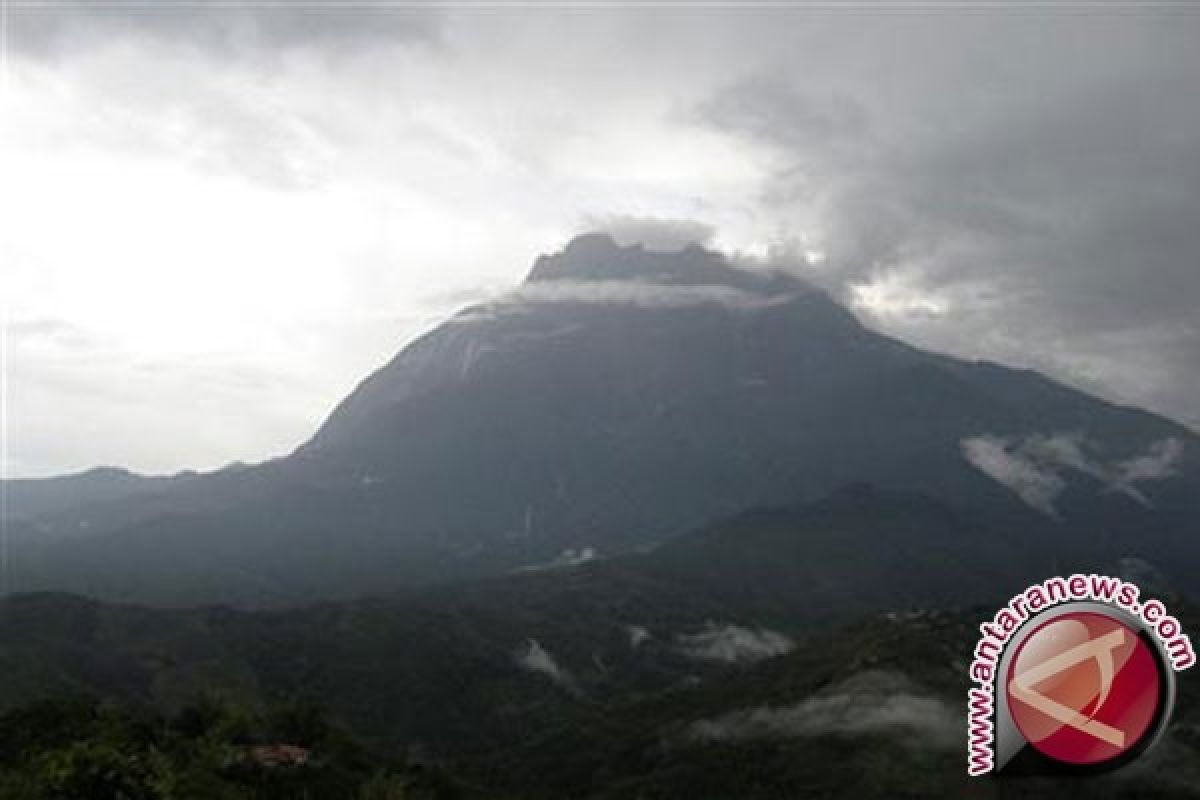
[(82, 749)]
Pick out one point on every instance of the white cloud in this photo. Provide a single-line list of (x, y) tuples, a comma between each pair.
[(636, 293), (533, 657), (870, 702), (1034, 484), (895, 294), (733, 644), (638, 635), (1159, 461), (1034, 466), (571, 557), (654, 234)]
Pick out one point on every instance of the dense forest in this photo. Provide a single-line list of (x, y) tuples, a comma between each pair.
[(85, 749)]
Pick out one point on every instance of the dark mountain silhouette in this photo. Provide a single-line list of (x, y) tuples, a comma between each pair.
[(617, 399)]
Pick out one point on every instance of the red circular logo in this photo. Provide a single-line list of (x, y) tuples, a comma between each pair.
[(1084, 688)]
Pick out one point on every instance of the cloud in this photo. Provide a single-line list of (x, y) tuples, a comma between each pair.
[(533, 657), (666, 235), (638, 635), (873, 702), (571, 557), (1159, 462), (1034, 466), (52, 29), (734, 644), (1036, 210), (1035, 485), (642, 294), (807, 123), (1003, 185), (48, 333)]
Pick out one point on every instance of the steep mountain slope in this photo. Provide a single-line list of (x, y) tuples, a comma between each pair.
[(617, 399)]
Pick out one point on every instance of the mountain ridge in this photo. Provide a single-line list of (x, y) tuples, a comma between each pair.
[(639, 669), (617, 399)]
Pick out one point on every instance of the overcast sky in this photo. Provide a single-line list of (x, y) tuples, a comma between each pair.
[(215, 220)]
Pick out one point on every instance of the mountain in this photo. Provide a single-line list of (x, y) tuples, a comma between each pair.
[(615, 400), (706, 668), (440, 665), (37, 498)]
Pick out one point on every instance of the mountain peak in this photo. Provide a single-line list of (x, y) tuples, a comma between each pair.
[(597, 257)]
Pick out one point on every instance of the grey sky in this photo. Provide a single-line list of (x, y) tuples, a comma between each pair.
[(219, 218)]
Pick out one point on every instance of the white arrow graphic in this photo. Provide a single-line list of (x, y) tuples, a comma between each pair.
[(1021, 686)]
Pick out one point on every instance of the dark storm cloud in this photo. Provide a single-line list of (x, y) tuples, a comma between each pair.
[(52, 28), (1047, 163)]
